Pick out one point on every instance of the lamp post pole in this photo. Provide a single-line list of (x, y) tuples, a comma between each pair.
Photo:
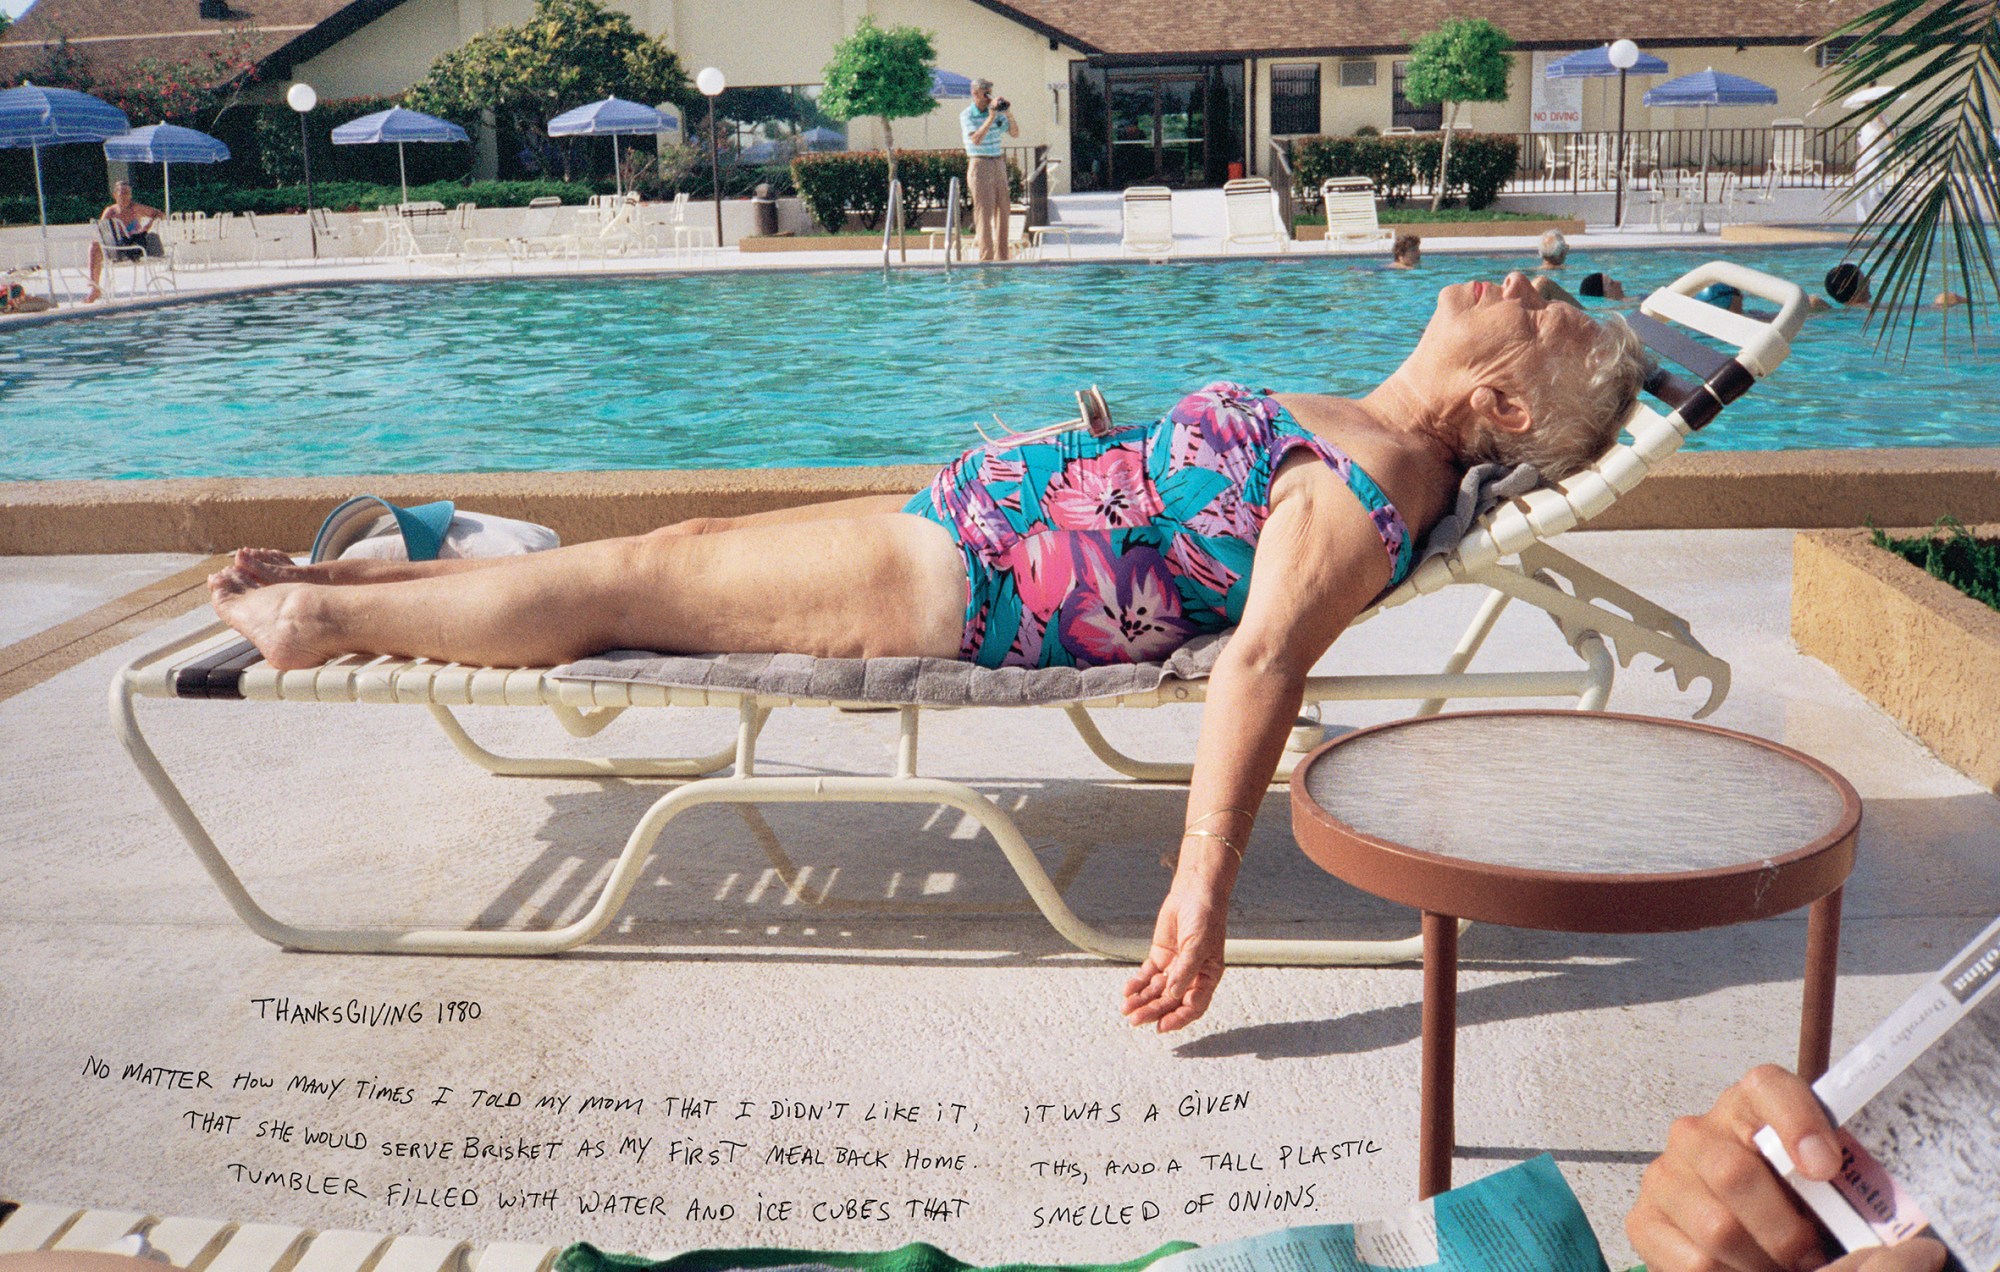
[(711, 83), (301, 98), (1624, 56)]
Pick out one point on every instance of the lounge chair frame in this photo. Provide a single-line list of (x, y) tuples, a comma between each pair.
[(1603, 623)]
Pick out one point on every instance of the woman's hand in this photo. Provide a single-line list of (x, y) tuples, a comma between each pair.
[(1174, 985), (1710, 1203)]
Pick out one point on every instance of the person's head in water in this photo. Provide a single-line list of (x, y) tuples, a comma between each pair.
[(1554, 249), (1602, 286), (1407, 251), (1847, 284)]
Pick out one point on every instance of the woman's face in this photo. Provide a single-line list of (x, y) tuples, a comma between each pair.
[(1502, 333)]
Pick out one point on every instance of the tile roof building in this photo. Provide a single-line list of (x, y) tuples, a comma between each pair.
[(1123, 91)]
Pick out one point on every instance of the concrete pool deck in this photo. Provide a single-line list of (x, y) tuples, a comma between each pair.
[(766, 959)]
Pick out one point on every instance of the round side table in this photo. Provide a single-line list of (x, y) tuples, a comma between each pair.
[(1575, 821)]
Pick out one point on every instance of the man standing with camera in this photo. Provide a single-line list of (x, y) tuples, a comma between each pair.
[(983, 124)]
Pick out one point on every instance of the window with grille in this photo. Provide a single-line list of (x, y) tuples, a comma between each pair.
[(1834, 50), (1295, 99), (1404, 115)]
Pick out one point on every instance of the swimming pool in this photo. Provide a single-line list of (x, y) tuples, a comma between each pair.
[(752, 370)]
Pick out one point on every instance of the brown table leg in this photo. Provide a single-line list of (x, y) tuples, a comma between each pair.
[(1822, 965), (1436, 1134)]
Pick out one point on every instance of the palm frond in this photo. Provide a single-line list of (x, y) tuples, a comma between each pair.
[(1938, 168)]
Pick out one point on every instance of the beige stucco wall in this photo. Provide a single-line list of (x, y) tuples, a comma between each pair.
[(754, 42), (1792, 71)]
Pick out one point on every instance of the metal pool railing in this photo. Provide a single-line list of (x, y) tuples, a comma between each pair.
[(1799, 157)]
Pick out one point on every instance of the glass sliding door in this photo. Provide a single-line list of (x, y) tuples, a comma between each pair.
[(1177, 125)]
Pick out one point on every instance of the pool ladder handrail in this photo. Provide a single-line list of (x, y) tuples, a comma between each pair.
[(892, 221), (950, 224)]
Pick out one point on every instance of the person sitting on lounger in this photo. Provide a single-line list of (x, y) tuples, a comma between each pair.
[(1710, 1201), (1057, 549), (131, 233)]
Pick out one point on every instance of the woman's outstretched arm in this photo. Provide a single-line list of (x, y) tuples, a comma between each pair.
[(1317, 566)]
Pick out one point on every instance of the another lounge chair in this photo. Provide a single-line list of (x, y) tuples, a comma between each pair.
[(1250, 216), (1506, 553), (1351, 219), (1149, 221)]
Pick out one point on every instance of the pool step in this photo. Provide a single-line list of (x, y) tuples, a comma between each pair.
[(217, 1245)]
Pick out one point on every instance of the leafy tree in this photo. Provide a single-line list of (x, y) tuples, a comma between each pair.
[(570, 53), (1463, 60), (1935, 168), (5, 22), (886, 74)]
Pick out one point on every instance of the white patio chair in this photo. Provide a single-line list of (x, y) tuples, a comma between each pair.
[(1791, 156), (1667, 196), (690, 236), (1148, 221), (335, 238), (1555, 155), (1711, 193), (1506, 554), (1351, 218), (1250, 216), (144, 272), (261, 236)]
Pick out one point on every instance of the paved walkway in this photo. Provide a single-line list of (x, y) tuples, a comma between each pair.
[(865, 987)]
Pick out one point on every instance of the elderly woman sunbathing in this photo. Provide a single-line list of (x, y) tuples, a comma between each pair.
[(1282, 517)]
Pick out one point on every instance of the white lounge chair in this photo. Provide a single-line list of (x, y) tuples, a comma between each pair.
[(1250, 216), (1149, 221), (1506, 554), (544, 232), (1351, 219)]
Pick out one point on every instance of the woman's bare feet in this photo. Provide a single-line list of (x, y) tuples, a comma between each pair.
[(272, 617), (271, 565)]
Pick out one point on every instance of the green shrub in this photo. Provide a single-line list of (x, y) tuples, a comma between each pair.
[(1480, 164), (1968, 564), (64, 209), (835, 185)]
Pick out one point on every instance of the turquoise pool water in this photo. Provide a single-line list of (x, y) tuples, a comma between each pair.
[(764, 370)]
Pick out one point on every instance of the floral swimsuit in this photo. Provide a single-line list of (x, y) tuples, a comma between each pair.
[(1082, 550)]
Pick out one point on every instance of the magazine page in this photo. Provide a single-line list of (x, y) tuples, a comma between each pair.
[(1522, 1219), (1916, 1104)]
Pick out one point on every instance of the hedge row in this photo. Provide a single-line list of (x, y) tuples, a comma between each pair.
[(834, 185), (339, 196), (1480, 164)]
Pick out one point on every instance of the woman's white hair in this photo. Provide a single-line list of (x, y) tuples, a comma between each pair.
[(1577, 407)]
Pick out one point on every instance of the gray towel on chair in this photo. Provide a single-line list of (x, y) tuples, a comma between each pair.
[(926, 682), (1484, 487)]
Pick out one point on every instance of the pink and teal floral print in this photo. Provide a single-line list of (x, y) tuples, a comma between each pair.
[(1085, 550)]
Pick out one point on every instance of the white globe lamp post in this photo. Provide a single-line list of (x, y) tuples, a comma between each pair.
[(1624, 56), (302, 98), (711, 83)]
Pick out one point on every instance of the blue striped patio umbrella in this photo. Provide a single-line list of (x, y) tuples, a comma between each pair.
[(949, 84), (400, 125), (1708, 89), (1592, 63), (1597, 64), (614, 117), (166, 145), (37, 117)]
